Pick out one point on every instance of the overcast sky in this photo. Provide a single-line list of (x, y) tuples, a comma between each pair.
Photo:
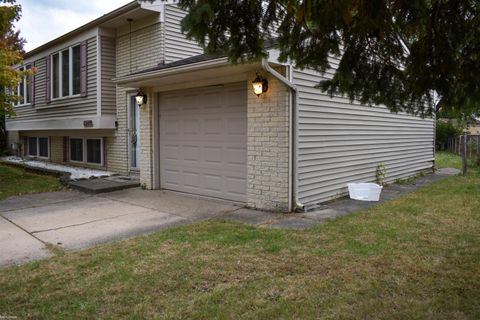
[(45, 20)]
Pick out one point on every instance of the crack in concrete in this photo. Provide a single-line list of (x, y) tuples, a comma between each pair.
[(83, 223), (43, 205), (24, 230)]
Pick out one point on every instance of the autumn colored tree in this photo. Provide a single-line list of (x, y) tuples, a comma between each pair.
[(392, 52), (11, 54)]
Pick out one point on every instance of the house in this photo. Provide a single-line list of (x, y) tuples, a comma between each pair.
[(474, 126), (201, 129)]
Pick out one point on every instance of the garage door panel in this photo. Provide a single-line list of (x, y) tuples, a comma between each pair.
[(235, 186), (205, 152)]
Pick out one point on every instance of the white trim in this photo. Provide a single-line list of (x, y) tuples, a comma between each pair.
[(99, 76), (66, 123)]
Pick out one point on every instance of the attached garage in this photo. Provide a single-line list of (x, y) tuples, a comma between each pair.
[(203, 141)]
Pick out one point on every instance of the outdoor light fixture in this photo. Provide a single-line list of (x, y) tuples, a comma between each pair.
[(260, 85), (141, 98)]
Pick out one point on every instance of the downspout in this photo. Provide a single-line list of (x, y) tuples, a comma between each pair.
[(293, 130)]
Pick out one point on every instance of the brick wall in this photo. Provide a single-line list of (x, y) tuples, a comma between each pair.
[(267, 149), (12, 137), (56, 149), (146, 147), (146, 53)]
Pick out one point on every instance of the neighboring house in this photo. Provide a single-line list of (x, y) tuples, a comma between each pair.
[(202, 130), (474, 127)]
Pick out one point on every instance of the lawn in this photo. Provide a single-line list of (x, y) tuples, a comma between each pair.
[(416, 257), (448, 160), (16, 181)]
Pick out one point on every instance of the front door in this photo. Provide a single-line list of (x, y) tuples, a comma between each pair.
[(134, 134)]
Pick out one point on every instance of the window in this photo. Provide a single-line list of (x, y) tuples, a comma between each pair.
[(38, 147), (89, 150), (43, 147), (32, 146), (66, 72), (94, 151), (23, 89), (76, 149)]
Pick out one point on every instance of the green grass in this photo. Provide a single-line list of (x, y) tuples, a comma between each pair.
[(17, 181), (447, 160), (416, 257)]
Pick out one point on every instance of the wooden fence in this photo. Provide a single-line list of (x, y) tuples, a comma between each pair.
[(456, 145)]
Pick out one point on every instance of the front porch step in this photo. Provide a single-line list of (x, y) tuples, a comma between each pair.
[(103, 185)]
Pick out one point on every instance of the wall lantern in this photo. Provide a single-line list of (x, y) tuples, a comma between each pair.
[(141, 98), (260, 85)]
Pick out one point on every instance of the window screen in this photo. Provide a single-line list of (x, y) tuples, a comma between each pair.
[(94, 151), (65, 73), (32, 146), (76, 149), (76, 70), (56, 75), (43, 147)]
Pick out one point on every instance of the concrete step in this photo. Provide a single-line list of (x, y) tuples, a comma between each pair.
[(103, 185)]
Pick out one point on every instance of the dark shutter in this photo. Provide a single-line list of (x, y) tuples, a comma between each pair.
[(83, 69), (32, 87), (47, 79), (66, 141)]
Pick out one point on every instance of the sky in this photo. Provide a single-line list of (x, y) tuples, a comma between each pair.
[(45, 20)]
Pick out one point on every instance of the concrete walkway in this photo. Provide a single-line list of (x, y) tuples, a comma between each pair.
[(333, 209), (74, 220)]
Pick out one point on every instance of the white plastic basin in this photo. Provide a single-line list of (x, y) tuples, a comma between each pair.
[(364, 191)]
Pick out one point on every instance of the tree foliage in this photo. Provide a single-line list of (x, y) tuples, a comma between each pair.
[(445, 130), (392, 52), (11, 52)]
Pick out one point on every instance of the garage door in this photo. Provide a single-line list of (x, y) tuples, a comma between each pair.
[(203, 141)]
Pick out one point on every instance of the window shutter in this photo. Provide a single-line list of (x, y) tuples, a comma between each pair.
[(32, 87), (83, 69), (47, 79), (66, 141)]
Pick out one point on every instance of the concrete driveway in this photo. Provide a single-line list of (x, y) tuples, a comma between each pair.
[(73, 220)]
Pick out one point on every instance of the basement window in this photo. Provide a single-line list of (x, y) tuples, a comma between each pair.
[(86, 150), (38, 147)]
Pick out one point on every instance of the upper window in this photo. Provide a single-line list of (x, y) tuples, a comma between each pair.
[(66, 72), (24, 89)]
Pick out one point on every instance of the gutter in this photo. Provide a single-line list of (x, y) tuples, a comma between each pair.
[(148, 75), (294, 204)]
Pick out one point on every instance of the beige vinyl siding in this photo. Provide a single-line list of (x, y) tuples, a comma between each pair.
[(342, 142), (64, 107), (144, 44), (177, 46), (108, 70)]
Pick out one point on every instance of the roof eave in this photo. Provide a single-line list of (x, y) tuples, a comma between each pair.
[(125, 80)]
